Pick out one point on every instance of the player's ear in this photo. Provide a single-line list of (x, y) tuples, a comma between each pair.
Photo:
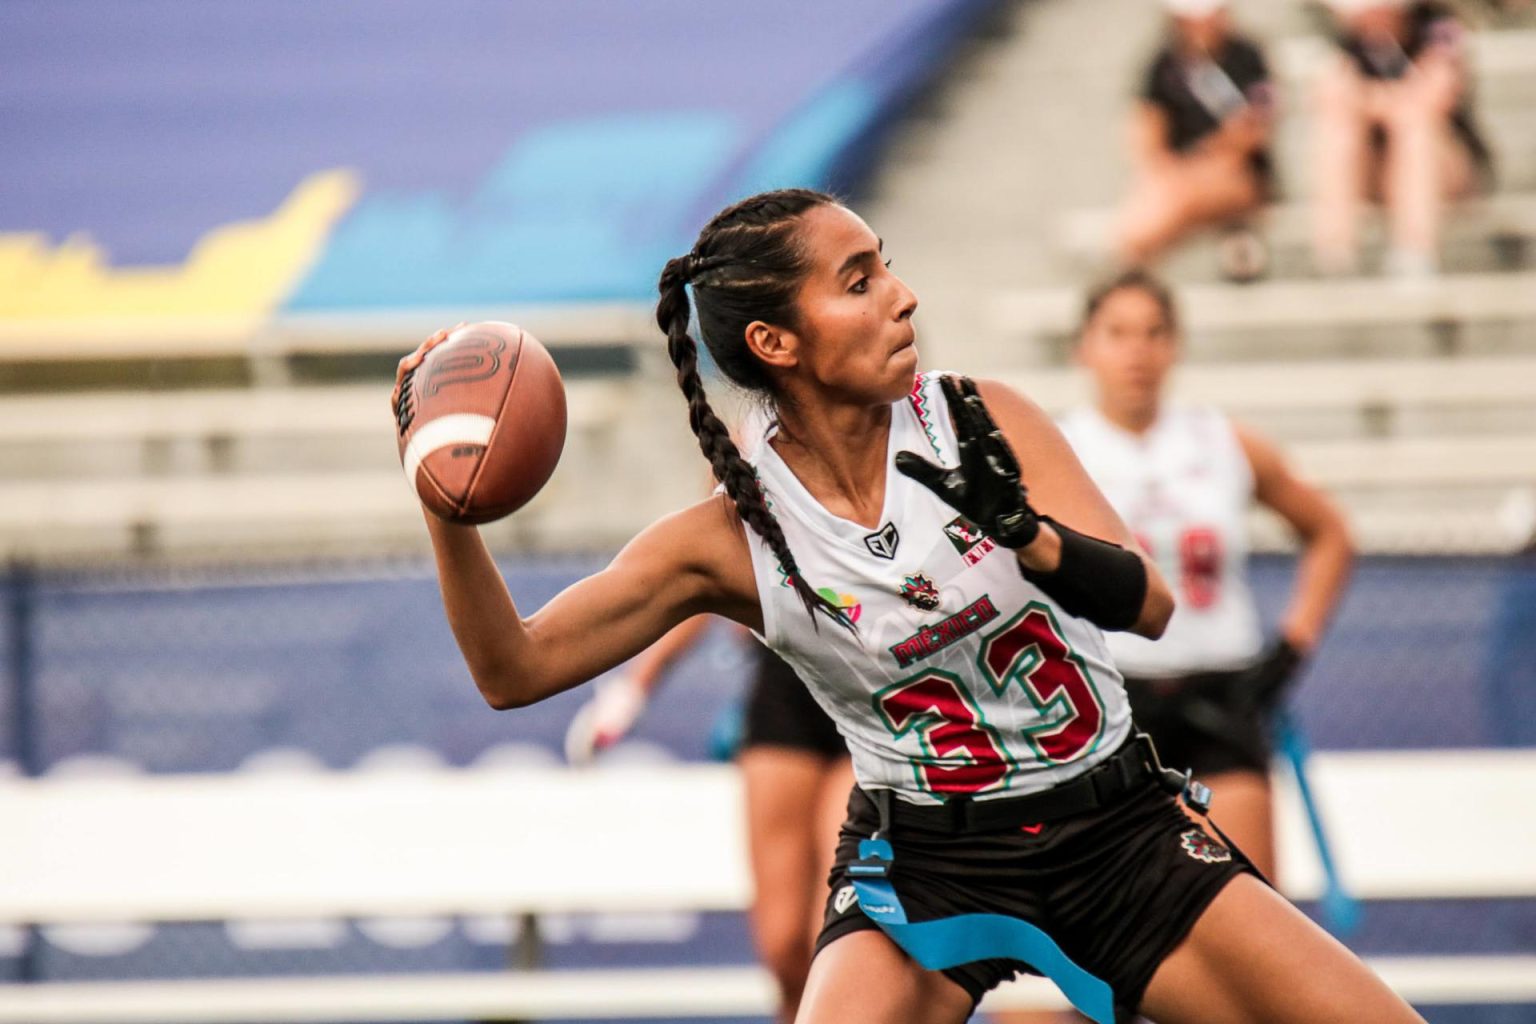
[(775, 346)]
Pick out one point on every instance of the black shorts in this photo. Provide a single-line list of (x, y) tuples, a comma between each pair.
[(1196, 723), (1117, 888), (781, 712)]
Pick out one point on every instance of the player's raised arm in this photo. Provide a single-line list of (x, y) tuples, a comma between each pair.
[(690, 562), (480, 412)]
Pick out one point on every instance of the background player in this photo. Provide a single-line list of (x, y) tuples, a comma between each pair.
[(1184, 479), (796, 775), (795, 301)]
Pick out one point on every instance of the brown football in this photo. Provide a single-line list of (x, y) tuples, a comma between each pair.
[(481, 422)]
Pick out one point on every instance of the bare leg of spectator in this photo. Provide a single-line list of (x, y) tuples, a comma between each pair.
[(1339, 166), (1190, 192), (1425, 165)]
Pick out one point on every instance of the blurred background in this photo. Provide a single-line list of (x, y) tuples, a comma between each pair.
[(221, 224)]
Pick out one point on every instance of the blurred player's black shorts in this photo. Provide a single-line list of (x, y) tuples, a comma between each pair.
[(1117, 888), (781, 712), (1198, 722)]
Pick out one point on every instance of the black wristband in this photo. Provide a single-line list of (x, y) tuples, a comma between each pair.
[(1098, 581)]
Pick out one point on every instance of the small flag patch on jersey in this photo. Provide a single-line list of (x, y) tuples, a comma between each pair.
[(969, 541), (1203, 848)]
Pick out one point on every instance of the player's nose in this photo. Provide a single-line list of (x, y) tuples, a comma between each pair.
[(906, 300)]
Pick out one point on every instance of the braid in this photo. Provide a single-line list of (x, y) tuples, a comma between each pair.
[(735, 474)]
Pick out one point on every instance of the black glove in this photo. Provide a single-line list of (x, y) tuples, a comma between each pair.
[(1263, 684), (985, 487)]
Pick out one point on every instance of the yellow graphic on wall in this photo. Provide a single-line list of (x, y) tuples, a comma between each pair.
[(236, 272)]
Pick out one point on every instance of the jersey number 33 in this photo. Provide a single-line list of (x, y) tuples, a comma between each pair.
[(965, 754)]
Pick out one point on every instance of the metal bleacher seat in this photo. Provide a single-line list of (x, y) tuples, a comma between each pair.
[(1365, 387), (1450, 301), (129, 338), (1501, 218), (308, 468)]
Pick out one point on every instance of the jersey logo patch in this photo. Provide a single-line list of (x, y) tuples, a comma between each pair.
[(1202, 847), (971, 544), (918, 591), (933, 639), (847, 603), (882, 543), (844, 899)]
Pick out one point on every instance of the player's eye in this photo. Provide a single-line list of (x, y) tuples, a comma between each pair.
[(860, 286)]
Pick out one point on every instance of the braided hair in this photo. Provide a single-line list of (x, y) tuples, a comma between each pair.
[(747, 265)]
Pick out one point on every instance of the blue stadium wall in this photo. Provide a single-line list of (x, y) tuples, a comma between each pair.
[(354, 669), (377, 154)]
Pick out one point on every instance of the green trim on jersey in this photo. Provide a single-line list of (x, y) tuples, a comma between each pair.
[(1025, 664)]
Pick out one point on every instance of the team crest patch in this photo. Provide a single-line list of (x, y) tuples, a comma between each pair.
[(844, 899), (1203, 848), (918, 591), (882, 543), (971, 544)]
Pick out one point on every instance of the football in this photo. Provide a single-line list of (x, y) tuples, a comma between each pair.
[(481, 422)]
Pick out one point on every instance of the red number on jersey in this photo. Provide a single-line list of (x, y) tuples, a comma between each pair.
[(1032, 650), (951, 729), (1200, 561)]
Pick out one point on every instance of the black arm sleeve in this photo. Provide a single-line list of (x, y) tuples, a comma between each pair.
[(1098, 581)]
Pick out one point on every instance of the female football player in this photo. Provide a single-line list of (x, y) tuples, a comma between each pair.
[(991, 737)]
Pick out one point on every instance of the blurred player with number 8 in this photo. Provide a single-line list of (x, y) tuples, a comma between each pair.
[(1184, 478)]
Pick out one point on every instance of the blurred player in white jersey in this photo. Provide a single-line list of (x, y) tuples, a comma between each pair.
[(1184, 479)]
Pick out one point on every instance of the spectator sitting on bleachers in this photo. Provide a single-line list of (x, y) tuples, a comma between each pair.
[(1394, 123), (1199, 139)]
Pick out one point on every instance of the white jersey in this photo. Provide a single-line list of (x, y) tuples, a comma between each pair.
[(962, 677), (1184, 488)]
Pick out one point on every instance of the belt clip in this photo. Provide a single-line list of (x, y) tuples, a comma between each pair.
[(1180, 784), (875, 853), (875, 856), (1193, 792)]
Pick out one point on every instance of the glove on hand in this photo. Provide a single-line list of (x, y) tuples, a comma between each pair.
[(1263, 684), (985, 487)]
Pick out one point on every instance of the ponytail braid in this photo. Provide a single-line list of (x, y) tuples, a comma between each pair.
[(735, 474)]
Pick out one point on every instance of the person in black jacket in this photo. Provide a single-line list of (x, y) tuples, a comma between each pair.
[(1199, 135)]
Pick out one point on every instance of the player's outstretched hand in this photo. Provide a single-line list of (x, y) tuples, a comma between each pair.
[(605, 719), (407, 365), (985, 487)]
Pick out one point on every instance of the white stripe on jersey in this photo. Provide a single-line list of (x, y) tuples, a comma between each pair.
[(1184, 488), (963, 678)]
